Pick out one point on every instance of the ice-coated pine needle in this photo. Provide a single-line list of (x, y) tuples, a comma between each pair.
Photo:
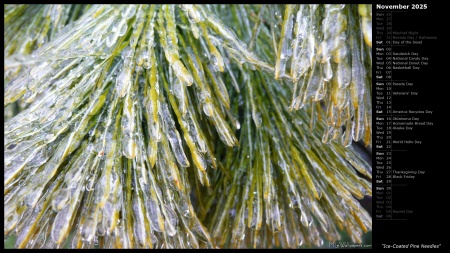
[(186, 126)]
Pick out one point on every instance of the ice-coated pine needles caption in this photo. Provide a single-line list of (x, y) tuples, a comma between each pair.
[(186, 126)]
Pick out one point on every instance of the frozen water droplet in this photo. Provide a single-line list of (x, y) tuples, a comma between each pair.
[(110, 39), (85, 42), (60, 199), (193, 15), (32, 198), (129, 12), (208, 109), (60, 225), (10, 221), (171, 221), (153, 211), (238, 125), (90, 184), (214, 60), (87, 231), (122, 30)]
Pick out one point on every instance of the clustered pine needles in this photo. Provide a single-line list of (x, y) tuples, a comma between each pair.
[(159, 126)]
